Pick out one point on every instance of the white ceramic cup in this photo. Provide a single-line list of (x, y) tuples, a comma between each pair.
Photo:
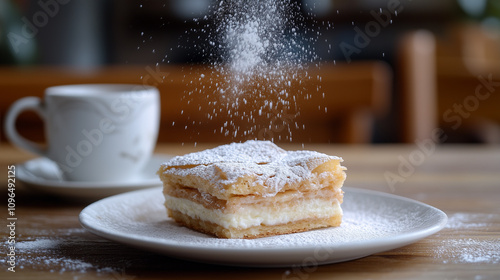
[(94, 132)]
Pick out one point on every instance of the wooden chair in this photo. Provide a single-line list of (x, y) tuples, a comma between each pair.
[(192, 109), (417, 87), (451, 83)]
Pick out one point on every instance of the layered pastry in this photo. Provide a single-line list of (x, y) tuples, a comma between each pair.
[(253, 189)]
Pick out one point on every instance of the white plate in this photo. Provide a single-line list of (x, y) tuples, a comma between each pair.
[(43, 175), (373, 222)]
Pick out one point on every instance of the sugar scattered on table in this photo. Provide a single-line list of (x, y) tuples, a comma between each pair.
[(38, 244), (464, 249), (47, 254)]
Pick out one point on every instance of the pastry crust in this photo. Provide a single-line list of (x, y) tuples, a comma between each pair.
[(253, 189)]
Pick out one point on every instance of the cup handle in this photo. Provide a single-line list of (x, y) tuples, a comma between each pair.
[(24, 104)]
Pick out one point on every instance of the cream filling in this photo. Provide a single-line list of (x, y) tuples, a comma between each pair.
[(254, 215)]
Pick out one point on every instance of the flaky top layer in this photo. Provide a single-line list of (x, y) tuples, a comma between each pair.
[(252, 167), (249, 152)]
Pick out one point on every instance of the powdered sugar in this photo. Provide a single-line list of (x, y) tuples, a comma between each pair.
[(258, 54), (471, 221), (469, 250), (44, 254), (39, 244), (247, 49), (248, 152), (461, 248), (272, 166)]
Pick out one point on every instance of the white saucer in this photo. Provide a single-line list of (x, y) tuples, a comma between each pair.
[(373, 222), (43, 175)]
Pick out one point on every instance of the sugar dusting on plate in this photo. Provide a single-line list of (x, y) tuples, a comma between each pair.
[(362, 222)]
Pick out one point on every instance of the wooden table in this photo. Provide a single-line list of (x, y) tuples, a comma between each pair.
[(463, 181)]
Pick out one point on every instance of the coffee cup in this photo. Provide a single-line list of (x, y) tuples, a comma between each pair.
[(93, 132)]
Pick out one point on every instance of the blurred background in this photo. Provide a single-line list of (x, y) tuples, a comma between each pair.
[(437, 62)]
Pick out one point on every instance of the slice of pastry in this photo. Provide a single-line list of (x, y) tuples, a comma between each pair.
[(253, 189)]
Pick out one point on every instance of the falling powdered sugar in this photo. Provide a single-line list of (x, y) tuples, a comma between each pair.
[(259, 59)]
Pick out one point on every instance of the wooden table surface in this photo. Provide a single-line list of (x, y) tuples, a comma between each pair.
[(463, 181)]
